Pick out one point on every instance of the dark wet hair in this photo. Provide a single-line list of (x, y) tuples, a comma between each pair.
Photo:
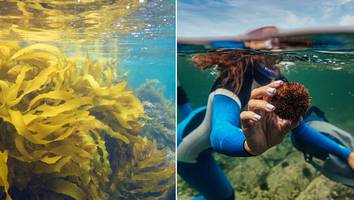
[(233, 64)]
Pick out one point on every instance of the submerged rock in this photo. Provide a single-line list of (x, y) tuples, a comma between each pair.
[(281, 173)]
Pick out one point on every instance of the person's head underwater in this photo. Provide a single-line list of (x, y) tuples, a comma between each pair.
[(233, 64)]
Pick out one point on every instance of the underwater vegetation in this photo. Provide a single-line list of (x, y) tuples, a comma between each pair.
[(70, 128), (161, 126), (291, 101)]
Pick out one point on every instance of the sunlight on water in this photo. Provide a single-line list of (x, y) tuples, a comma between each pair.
[(65, 20), (75, 26), (134, 33)]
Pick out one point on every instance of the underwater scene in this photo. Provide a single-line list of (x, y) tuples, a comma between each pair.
[(323, 62), (87, 100)]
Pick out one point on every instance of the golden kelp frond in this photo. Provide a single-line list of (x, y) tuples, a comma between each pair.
[(148, 174), (4, 173), (55, 119)]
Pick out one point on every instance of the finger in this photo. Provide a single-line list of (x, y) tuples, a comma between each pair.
[(292, 123), (266, 91), (275, 84), (261, 92), (247, 126), (256, 104), (249, 115), (249, 118), (285, 125)]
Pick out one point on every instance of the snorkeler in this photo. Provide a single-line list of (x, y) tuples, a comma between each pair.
[(216, 127)]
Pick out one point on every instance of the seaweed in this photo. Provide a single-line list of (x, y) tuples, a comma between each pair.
[(161, 126), (57, 115), (4, 173), (147, 175)]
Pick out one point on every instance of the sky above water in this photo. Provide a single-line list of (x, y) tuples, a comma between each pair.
[(198, 18)]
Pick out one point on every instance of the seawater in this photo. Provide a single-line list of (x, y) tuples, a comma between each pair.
[(149, 53), (139, 35), (329, 77), (281, 172), (139, 38)]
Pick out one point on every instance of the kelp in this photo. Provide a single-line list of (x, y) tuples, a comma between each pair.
[(149, 174), (57, 115), (161, 126), (4, 173)]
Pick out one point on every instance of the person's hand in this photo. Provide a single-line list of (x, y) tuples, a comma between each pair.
[(351, 160), (262, 127)]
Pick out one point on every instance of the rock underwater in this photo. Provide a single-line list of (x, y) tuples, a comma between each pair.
[(281, 173)]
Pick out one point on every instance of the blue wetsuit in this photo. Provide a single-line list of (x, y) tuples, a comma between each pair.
[(308, 139), (216, 127)]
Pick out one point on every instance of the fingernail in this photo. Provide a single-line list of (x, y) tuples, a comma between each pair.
[(257, 117), (270, 107), (271, 90), (278, 82)]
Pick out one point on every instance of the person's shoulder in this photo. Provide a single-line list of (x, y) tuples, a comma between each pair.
[(227, 93)]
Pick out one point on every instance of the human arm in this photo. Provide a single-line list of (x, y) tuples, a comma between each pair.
[(226, 136), (304, 134)]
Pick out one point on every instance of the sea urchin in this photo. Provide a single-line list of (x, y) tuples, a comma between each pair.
[(291, 101)]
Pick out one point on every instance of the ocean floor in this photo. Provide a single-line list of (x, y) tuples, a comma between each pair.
[(280, 173)]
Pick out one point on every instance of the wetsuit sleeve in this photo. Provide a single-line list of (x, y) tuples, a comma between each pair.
[(304, 134), (226, 137)]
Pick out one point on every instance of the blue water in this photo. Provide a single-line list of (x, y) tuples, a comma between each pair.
[(154, 60), (146, 52), (149, 53)]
